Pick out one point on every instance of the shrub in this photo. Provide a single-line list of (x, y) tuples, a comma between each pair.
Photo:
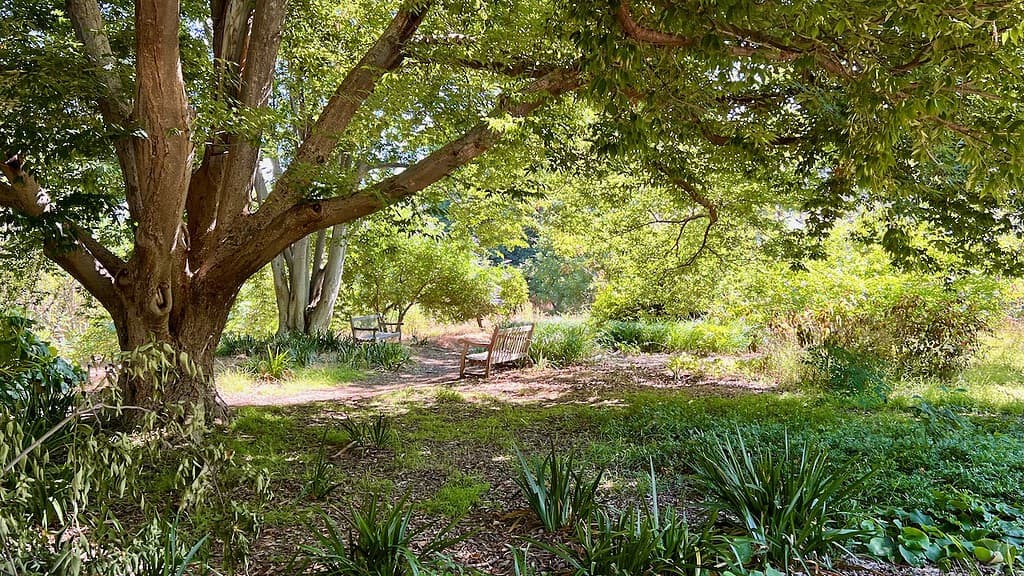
[(557, 492), (562, 343), (849, 374), (379, 543), (36, 385), (790, 504)]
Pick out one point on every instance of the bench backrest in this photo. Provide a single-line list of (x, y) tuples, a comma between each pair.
[(364, 327), (365, 322), (512, 343)]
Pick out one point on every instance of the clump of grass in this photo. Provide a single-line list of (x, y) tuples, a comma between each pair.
[(459, 493), (376, 433), (320, 473), (270, 365), (792, 505), (635, 335), (379, 543), (448, 396), (657, 540), (562, 344), (556, 489)]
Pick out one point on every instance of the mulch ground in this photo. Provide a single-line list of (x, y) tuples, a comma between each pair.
[(501, 520)]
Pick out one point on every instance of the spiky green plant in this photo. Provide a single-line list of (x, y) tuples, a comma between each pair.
[(556, 490), (379, 543), (791, 504)]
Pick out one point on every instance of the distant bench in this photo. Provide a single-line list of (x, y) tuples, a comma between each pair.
[(374, 329), (506, 345)]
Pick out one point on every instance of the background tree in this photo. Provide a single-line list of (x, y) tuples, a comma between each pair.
[(150, 119), (392, 270)]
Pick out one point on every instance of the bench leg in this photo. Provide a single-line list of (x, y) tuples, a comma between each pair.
[(462, 363)]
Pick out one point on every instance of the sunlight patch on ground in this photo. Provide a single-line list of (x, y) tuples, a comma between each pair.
[(234, 381)]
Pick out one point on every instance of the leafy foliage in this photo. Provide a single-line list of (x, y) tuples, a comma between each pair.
[(390, 270), (38, 386)]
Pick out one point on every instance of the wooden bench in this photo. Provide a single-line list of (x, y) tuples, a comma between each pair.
[(506, 345), (374, 329)]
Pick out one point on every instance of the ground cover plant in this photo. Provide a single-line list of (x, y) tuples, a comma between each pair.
[(661, 478)]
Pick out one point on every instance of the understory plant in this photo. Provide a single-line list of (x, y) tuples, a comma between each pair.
[(791, 504), (556, 489), (561, 344), (378, 432), (72, 494), (379, 542), (639, 542)]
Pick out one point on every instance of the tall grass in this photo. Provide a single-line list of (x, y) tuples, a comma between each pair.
[(695, 336), (563, 343), (305, 349)]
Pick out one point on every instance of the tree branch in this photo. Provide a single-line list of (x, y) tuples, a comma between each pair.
[(385, 55), (762, 44), (305, 217), (78, 252), (257, 77), (115, 109)]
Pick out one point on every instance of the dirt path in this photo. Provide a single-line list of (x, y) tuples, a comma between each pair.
[(437, 365)]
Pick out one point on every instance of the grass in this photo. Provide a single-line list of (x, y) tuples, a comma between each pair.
[(233, 381), (455, 451), (459, 493)]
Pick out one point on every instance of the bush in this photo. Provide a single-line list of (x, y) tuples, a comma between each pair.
[(849, 374), (562, 343), (707, 337), (792, 505), (36, 385), (556, 490)]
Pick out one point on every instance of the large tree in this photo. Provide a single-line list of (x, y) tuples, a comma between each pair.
[(153, 119)]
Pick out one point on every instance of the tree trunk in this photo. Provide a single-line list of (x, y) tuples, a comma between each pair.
[(197, 236), (194, 328), (307, 291)]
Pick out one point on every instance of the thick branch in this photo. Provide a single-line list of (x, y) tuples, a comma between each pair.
[(266, 241), (752, 43), (648, 35), (385, 55), (257, 77), (78, 253), (115, 109)]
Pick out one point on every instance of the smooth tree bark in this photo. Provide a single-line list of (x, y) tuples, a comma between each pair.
[(307, 283), (198, 234)]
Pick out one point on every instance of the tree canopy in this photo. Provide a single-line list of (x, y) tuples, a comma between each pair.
[(133, 132)]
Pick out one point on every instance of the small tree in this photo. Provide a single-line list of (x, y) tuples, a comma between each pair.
[(391, 271)]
